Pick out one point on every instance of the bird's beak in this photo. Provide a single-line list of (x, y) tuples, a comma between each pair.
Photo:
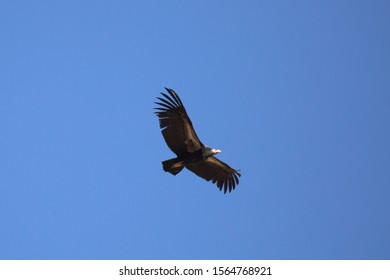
[(215, 151)]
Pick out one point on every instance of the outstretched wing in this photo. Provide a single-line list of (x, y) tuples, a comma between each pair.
[(176, 126), (217, 171)]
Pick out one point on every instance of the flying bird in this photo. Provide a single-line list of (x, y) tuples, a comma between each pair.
[(181, 138)]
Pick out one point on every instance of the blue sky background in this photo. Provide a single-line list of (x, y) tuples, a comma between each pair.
[(296, 94)]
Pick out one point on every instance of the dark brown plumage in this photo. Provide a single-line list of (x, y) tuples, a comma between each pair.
[(181, 138)]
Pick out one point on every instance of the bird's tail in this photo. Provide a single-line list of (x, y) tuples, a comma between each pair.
[(173, 165)]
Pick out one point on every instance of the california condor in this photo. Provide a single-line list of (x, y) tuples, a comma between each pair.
[(181, 138)]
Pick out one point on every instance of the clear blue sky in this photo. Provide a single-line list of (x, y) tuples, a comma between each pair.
[(296, 94)]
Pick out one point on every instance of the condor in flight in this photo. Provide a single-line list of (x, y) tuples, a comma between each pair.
[(181, 138)]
